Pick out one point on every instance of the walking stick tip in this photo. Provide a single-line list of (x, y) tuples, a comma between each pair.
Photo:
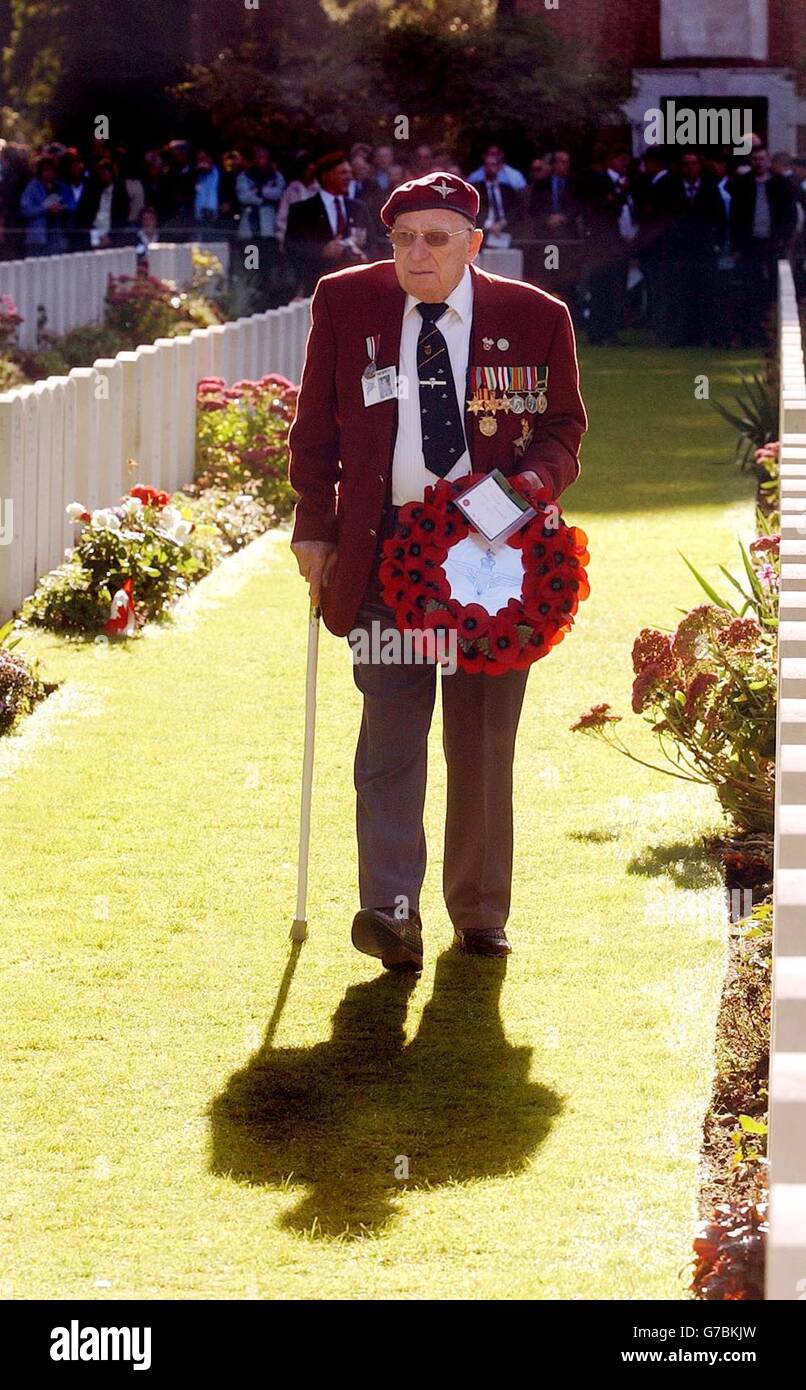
[(299, 930)]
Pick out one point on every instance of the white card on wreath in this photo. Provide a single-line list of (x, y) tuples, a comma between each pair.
[(494, 507), (484, 574)]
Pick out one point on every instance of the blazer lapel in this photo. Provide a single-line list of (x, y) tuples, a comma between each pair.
[(386, 322), (479, 447)]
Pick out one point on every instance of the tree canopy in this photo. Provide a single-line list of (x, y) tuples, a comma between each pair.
[(310, 73)]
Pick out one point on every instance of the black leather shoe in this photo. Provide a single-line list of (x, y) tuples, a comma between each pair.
[(490, 941), (397, 942)]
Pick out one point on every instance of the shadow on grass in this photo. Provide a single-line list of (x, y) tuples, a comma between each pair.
[(687, 865), (338, 1119), (593, 837)]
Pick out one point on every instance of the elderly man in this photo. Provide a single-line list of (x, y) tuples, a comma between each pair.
[(357, 455)]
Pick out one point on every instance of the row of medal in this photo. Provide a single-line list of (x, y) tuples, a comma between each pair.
[(525, 389)]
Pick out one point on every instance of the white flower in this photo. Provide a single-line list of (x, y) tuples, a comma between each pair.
[(173, 525), (75, 511), (105, 519), (132, 506)]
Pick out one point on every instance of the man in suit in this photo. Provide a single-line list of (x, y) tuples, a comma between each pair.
[(330, 230), (763, 219), (353, 464), (609, 225), (103, 212), (554, 204), (508, 174), (555, 220), (695, 234), (655, 210), (501, 205)]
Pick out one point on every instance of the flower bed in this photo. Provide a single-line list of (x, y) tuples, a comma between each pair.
[(729, 1247), (21, 687), (131, 562), (242, 438)]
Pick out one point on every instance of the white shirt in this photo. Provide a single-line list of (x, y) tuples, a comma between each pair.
[(626, 222), (329, 200), (506, 174), (103, 218), (762, 218), (410, 477)]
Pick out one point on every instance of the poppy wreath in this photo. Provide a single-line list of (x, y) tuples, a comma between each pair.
[(415, 586)]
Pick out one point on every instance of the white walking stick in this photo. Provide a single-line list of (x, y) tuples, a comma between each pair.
[(299, 928)]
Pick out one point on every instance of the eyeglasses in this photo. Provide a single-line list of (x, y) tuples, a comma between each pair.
[(404, 240)]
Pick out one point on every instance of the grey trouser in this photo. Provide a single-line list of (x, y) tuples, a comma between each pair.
[(480, 721)]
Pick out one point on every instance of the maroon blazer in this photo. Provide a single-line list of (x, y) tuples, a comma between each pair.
[(341, 450)]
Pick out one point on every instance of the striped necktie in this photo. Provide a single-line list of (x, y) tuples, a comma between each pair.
[(440, 416)]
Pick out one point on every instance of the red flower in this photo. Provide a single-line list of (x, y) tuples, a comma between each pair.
[(698, 689), (471, 659), (503, 637), (646, 683), (652, 648), (762, 544), (441, 618), (597, 717), (474, 622), (150, 496)]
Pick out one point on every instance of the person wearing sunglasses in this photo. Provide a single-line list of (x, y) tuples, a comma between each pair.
[(382, 414)]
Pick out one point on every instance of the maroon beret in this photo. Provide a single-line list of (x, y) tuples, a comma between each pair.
[(328, 161), (432, 191)]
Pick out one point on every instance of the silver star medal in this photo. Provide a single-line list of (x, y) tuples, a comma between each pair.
[(372, 366)]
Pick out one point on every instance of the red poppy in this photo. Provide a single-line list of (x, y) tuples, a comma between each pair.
[(440, 618), (474, 622), (471, 658), (503, 636)]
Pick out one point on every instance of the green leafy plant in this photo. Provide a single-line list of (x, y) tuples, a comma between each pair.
[(762, 568), (142, 554), (709, 694), (141, 308), (754, 416), (21, 687)]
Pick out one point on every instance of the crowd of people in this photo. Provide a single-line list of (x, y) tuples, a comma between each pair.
[(687, 241)]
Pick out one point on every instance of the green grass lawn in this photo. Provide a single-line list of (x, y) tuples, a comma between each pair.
[(191, 1109)]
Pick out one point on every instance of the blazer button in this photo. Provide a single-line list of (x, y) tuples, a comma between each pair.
[(372, 531)]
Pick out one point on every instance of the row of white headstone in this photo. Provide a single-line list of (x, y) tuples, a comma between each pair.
[(73, 438), (786, 1254), (70, 290)]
